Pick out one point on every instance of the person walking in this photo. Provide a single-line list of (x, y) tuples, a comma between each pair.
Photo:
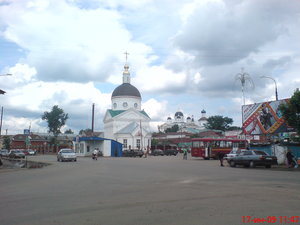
[(95, 154), (291, 159), (185, 153), (221, 158)]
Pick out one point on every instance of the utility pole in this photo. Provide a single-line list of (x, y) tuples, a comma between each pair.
[(1, 120), (93, 116)]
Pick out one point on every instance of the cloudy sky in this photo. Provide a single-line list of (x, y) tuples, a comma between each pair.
[(184, 55)]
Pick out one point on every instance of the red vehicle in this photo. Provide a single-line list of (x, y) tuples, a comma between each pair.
[(210, 147)]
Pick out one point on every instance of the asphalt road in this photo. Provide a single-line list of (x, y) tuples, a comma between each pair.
[(161, 190)]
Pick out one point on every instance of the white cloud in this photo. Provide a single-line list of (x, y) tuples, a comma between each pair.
[(67, 43), (155, 109), (159, 79), (190, 50)]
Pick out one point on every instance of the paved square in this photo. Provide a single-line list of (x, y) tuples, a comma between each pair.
[(155, 190)]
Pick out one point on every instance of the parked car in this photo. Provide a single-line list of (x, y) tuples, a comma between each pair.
[(170, 152), (25, 151), (66, 154), (31, 152), (252, 158), (4, 152), (233, 153), (16, 153), (132, 153), (157, 152)]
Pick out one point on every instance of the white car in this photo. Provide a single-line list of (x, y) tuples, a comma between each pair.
[(233, 153), (31, 152), (66, 154)]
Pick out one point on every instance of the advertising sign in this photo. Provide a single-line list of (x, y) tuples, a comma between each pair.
[(264, 118)]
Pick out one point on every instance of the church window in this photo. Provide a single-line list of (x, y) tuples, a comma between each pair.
[(138, 143), (115, 105), (125, 104), (135, 105), (125, 143)]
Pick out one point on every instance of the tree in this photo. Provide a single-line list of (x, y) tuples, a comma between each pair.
[(86, 131), (291, 111), (56, 119), (218, 123), (69, 131), (174, 128), (6, 142)]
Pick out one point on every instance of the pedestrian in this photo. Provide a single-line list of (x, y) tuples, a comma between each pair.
[(146, 152), (185, 153), (95, 154), (221, 158), (291, 159)]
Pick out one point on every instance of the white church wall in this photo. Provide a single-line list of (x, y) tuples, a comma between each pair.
[(107, 148), (132, 102)]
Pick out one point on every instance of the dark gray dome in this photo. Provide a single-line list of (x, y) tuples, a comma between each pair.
[(178, 114), (203, 111), (126, 89)]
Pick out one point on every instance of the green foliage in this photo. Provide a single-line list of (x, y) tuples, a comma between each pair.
[(56, 119), (69, 131), (174, 128), (6, 142), (291, 111), (218, 123), (234, 128), (88, 130)]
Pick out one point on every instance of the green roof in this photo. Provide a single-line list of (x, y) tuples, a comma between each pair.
[(114, 113), (143, 112)]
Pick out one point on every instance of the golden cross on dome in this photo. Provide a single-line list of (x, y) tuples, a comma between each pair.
[(126, 53)]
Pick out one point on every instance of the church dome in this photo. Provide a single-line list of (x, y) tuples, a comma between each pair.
[(178, 114), (203, 111), (126, 89)]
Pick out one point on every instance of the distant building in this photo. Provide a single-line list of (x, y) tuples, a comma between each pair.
[(188, 125)]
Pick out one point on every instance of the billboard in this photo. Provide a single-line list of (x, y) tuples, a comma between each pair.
[(264, 118)]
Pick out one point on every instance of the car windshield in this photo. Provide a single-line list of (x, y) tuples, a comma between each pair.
[(66, 151), (260, 153)]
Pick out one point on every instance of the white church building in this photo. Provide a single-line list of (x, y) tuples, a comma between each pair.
[(126, 122), (188, 125)]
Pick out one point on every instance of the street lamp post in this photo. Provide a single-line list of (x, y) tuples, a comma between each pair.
[(276, 93), (2, 75), (8, 74)]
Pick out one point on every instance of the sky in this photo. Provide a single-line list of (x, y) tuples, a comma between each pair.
[(184, 56)]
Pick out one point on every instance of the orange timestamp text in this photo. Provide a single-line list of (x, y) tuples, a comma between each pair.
[(271, 219)]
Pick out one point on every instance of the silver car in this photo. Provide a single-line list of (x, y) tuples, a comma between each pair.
[(66, 154), (4, 152), (233, 153), (16, 153)]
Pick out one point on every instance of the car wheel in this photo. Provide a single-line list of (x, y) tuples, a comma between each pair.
[(251, 164), (57, 159), (75, 160), (268, 166), (232, 164)]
